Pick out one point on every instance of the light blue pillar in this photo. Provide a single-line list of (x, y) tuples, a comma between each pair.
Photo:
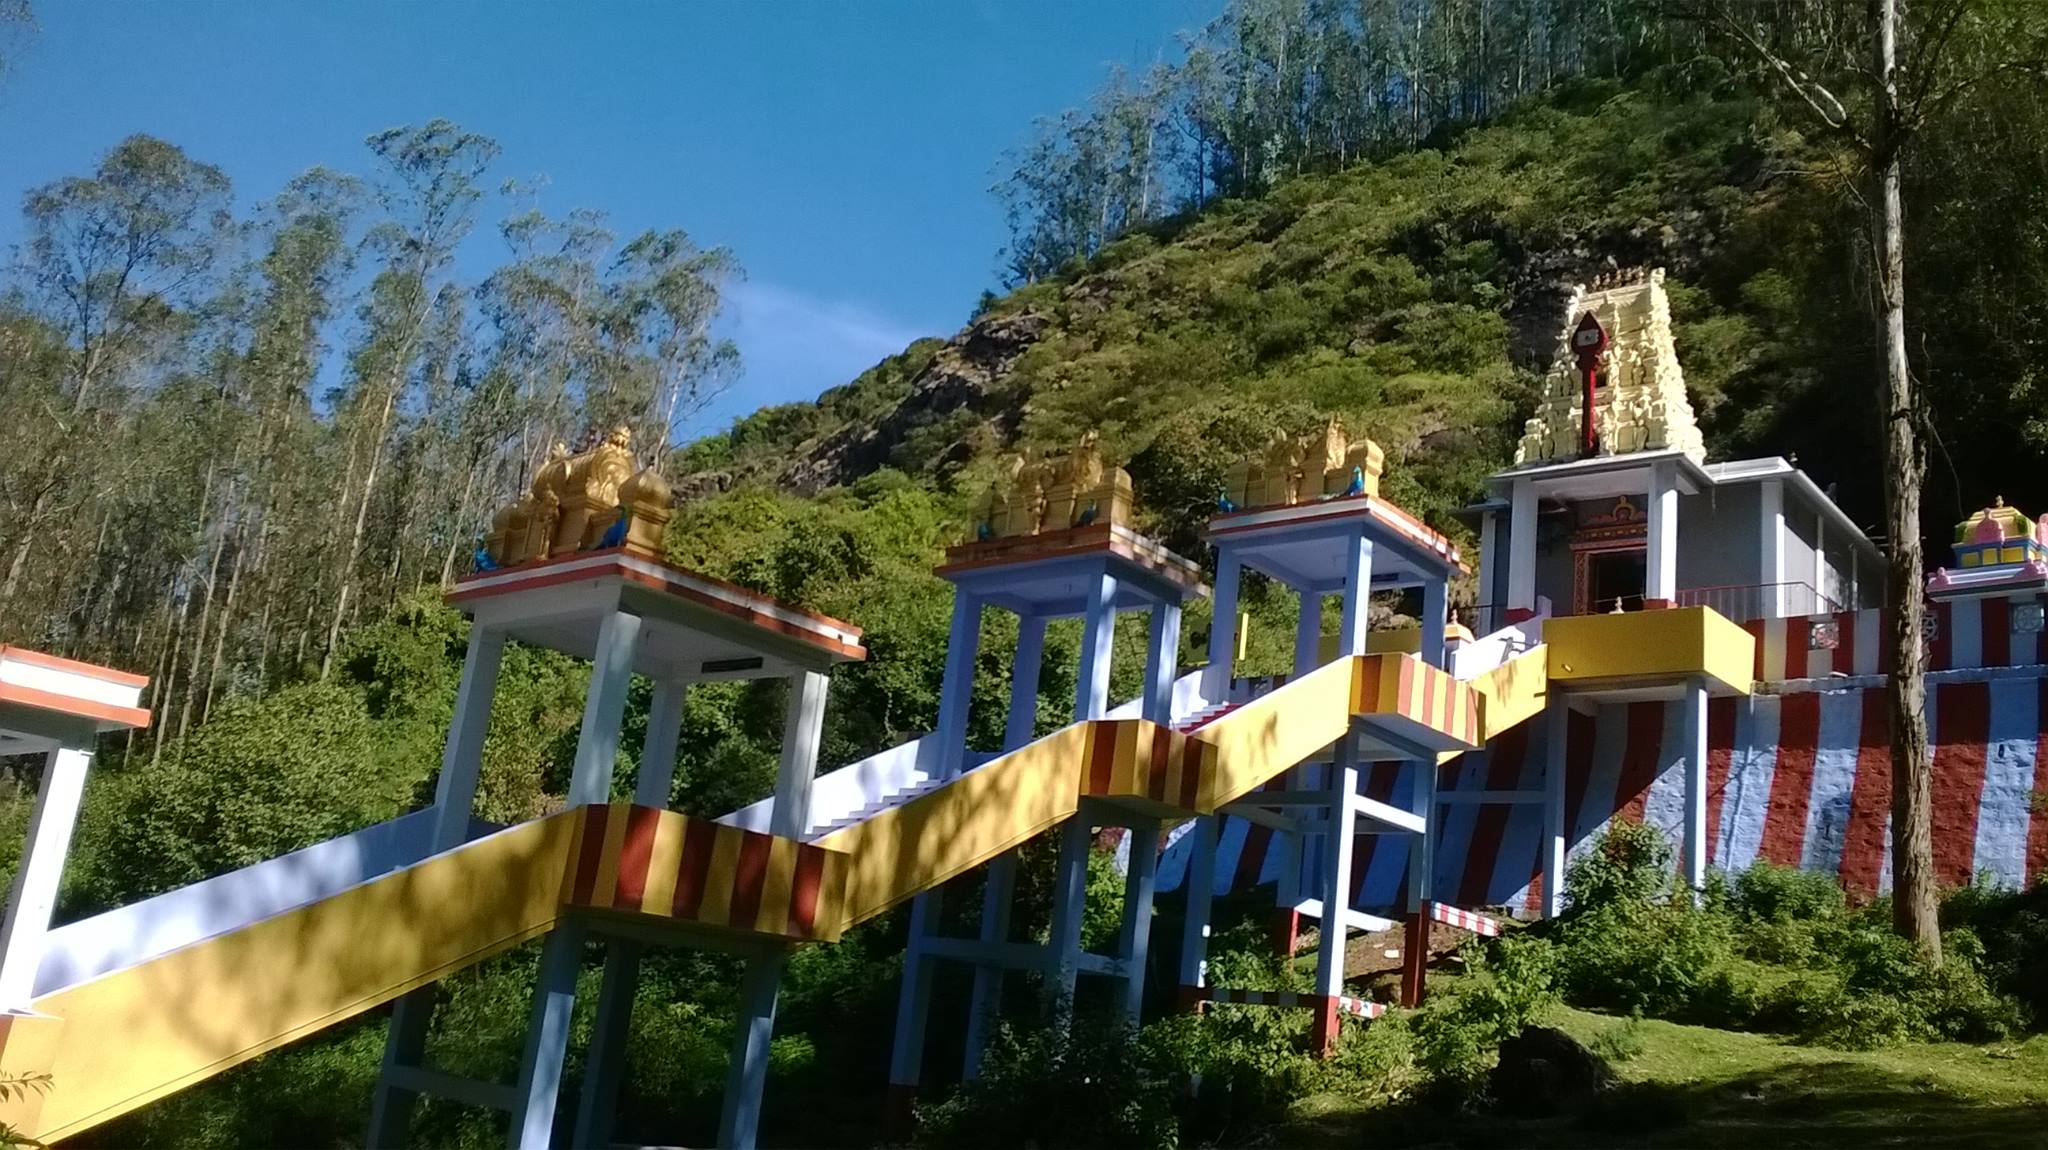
[(1135, 935), (1555, 728), (1357, 596), (1162, 660), (1222, 628), (1422, 847), (956, 693), (1024, 669), (739, 1118), (604, 709), (1200, 880), (547, 1039), (1098, 635), (405, 1043), (1308, 633), (999, 886), (604, 1064), (914, 999), (1435, 604), (1070, 890)]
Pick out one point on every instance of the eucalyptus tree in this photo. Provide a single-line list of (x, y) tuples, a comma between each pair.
[(428, 190)]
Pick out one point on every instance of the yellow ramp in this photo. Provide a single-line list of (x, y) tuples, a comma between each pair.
[(137, 1034)]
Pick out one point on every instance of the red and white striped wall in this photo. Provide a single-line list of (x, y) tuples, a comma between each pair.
[(1801, 778), (1964, 634)]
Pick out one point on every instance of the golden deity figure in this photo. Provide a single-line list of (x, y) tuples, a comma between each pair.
[(1326, 464), (1031, 496), (592, 499)]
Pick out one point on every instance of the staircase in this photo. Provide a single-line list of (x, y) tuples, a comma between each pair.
[(891, 799)]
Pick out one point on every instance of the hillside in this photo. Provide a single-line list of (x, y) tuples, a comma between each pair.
[(1417, 298)]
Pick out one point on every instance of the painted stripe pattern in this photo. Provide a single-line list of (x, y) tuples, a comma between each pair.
[(1464, 919), (1801, 779), (671, 865)]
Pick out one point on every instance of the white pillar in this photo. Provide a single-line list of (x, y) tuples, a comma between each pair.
[(1336, 868), (42, 864), (463, 754), (604, 1061), (547, 1039), (658, 752), (405, 1040), (1216, 674), (739, 1117), (1357, 597), (1694, 745), (956, 692), (1555, 728), (1771, 548), (1135, 935), (604, 708), (1098, 634), (1435, 607), (1308, 633), (803, 722), (1660, 564), (1162, 660), (1522, 549), (1201, 877)]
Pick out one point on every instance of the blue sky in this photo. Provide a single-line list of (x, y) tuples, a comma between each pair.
[(843, 151)]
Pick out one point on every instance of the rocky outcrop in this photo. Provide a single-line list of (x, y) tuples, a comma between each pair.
[(968, 374)]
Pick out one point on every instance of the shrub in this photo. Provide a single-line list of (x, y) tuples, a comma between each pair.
[(1629, 863), (1669, 960), (1458, 1034), (1085, 1085)]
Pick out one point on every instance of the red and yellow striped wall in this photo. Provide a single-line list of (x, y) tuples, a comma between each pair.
[(639, 860)]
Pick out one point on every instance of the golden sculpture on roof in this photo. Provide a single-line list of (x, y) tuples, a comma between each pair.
[(590, 500), (1032, 496), (1303, 469), (1639, 402)]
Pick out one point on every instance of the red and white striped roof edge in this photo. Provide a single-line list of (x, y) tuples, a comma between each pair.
[(840, 638), (66, 686)]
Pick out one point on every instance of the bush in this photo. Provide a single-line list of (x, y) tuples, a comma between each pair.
[(1088, 1085), (1630, 863), (1669, 960), (1458, 1034)]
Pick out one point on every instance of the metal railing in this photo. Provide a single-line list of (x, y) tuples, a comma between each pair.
[(1741, 604)]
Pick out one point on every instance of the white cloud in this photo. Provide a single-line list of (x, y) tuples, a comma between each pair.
[(794, 345)]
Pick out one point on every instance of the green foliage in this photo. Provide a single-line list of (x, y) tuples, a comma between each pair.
[(1458, 1034), (1087, 1086), (1780, 951)]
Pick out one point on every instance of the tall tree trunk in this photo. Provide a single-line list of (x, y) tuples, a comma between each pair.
[(220, 631), (1914, 908), (355, 540)]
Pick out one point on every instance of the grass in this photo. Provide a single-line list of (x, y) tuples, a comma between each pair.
[(1693, 1086)]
